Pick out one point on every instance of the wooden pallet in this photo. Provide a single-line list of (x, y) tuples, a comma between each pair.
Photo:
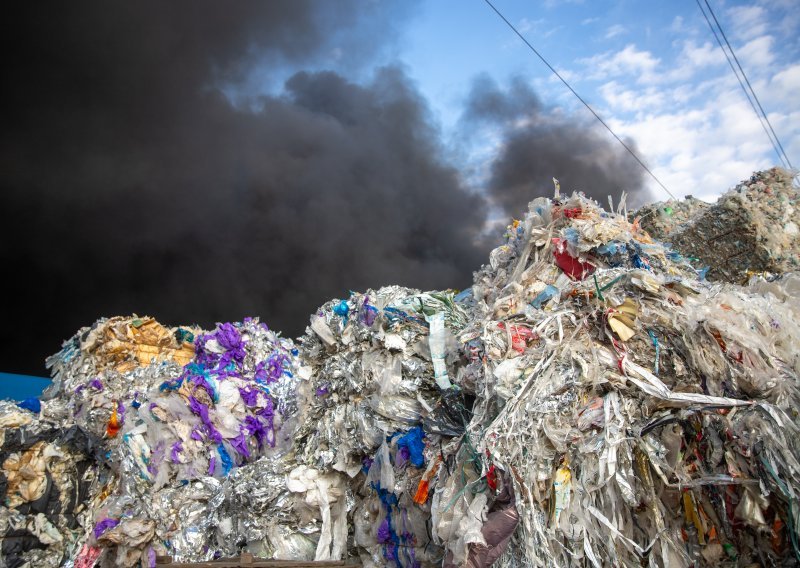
[(249, 561)]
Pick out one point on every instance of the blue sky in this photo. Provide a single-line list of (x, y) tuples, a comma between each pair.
[(652, 70)]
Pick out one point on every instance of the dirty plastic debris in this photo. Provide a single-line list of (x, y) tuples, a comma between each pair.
[(590, 400)]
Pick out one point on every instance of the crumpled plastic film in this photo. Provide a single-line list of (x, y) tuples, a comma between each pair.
[(160, 430), (225, 409), (104, 368)]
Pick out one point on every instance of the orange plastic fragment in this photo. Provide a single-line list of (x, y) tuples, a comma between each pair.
[(776, 539), (721, 342), (113, 426), (712, 534), (424, 484), (422, 492)]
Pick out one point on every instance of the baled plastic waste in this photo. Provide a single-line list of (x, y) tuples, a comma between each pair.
[(591, 400)]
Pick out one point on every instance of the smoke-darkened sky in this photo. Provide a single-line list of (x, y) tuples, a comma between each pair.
[(132, 183), (540, 143)]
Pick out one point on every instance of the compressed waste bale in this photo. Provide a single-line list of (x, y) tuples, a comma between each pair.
[(64, 450), (169, 413), (45, 475), (224, 408), (379, 396), (375, 368), (108, 367), (663, 218), (753, 228)]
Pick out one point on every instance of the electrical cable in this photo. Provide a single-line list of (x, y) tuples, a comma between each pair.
[(773, 137), (597, 116)]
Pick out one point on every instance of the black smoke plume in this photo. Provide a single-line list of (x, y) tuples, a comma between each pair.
[(131, 183), (538, 144)]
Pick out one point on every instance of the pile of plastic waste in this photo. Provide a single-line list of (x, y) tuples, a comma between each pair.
[(590, 400), (56, 452), (753, 228), (641, 415)]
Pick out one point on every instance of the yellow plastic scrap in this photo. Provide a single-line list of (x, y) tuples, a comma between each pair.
[(562, 485), (692, 516), (643, 465), (26, 475), (14, 419), (130, 342), (622, 319), (646, 282)]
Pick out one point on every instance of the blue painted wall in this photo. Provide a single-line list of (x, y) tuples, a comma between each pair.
[(20, 387)]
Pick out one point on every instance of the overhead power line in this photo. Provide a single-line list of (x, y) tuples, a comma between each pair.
[(748, 90), (597, 116)]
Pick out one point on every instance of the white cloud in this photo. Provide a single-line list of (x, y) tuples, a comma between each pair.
[(682, 94), (740, 122), (622, 99), (615, 30), (786, 84), (552, 31), (702, 55), (778, 95), (693, 58), (699, 137), (647, 69), (785, 4), (587, 21), (704, 149), (569, 76), (788, 21), (525, 25), (677, 24), (691, 121), (627, 62), (748, 22), (755, 54)]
